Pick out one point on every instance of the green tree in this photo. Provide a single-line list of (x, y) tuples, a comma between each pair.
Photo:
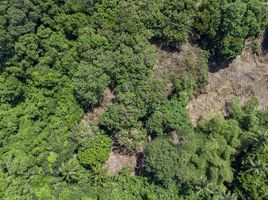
[(89, 83), (70, 170), (96, 151)]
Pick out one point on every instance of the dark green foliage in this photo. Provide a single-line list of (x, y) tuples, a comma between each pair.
[(169, 20), (119, 117), (208, 19), (11, 90), (163, 161), (178, 16), (89, 83), (252, 176), (223, 26), (131, 140), (58, 56)]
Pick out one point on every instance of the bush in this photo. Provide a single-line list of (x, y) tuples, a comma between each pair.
[(172, 115), (95, 152), (132, 140), (252, 178)]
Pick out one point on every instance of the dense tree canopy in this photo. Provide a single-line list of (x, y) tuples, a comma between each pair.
[(57, 57)]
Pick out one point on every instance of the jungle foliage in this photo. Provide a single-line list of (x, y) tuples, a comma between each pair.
[(58, 56)]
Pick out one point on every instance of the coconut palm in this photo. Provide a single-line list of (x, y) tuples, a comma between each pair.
[(260, 138), (70, 170), (228, 196), (203, 186), (98, 174), (257, 167)]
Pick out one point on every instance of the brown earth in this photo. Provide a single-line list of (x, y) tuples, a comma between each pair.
[(245, 77), (117, 162), (175, 63)]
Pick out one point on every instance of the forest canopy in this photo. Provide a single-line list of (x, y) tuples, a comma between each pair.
[(57, 58)]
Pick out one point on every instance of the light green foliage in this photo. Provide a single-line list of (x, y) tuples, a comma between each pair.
[(163, 160), (124, 186), (132, 140), (98, 174), (70, 170), (247, 117), (229, 129), (95, 151), (171, 116), (57, 58), (202, 158)]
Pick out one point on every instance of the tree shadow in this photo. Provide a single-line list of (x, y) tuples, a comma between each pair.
[(140, 167), (264, 43), (164, 45), (216, 63)]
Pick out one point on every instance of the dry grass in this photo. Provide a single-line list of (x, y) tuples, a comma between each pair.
[(245, 77)]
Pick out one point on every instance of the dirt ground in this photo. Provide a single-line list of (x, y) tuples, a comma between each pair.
[(245, 77), (117, 162)]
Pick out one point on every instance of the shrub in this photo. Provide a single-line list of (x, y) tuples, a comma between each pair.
[(96, 152)]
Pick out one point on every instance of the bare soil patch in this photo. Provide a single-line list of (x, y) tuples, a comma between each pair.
[(245, 77), (117, 162), (175, 63)]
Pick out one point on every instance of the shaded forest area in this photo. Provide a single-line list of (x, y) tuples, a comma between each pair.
[(57, 59)]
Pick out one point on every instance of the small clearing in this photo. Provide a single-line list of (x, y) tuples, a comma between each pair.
[(245, 77), (175, 63), (117, 162)]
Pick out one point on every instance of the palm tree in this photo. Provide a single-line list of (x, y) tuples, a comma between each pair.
[(228, 196), (70, 170), (98, 174), (203, 186), (260, 138), (257, 167)]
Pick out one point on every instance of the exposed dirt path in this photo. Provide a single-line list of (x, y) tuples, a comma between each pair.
[(116, 161), (245, 77), (94, 115)]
